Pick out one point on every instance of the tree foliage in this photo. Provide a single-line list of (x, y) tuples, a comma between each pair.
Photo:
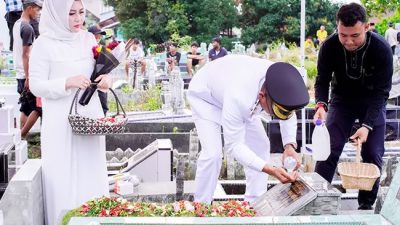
[(376, 7), (266, 21), (262, 21), (156, 21)]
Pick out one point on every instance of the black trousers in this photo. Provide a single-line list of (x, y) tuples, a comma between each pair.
[(11, 18), (340, 120)]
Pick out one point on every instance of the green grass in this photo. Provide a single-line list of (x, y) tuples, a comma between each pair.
[(149, 100), (67, 217), (34, 150)]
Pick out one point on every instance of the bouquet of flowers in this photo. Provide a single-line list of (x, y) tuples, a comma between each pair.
[(107, 58)]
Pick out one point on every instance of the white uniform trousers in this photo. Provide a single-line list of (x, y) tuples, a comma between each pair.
[(210, 159)]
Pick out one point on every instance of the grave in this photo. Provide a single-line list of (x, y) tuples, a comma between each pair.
[(388, 215), (13, 150), (151, 164), (310, 195)]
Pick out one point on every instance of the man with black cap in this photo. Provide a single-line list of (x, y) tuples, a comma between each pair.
[(357, 65), (97, 32), (232, 92)]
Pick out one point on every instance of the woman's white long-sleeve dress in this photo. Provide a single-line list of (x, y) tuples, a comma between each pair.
[(73, 167)]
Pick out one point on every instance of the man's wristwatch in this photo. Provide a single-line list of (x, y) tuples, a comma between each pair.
[(321, 105)]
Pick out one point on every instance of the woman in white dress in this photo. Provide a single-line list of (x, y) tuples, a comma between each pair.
[(73, 167)]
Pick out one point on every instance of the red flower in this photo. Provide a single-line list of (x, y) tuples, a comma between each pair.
[(112, 45), (103, 213), (96, 51), (84, 208)]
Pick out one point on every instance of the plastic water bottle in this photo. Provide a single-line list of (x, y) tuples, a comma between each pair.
[(289, 164), (321, 144)]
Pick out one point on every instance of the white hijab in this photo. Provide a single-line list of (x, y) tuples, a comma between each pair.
[(54, 20)]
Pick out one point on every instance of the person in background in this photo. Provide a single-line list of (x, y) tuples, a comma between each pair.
[(37, 104), (372, 27), (217, 51), (98, 34), (73, 166), (321, 35), (194, 58), (23, 37), (391, 37), (309, 45), (173, 57), (356, 66), (136, 53), (13, 13)]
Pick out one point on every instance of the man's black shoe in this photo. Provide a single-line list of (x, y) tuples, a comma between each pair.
[(365, 207)]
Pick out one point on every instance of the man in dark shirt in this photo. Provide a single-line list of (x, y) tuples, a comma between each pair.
[(173, 57), (217, 51), (358, 65), (23, 37), (194, 58)]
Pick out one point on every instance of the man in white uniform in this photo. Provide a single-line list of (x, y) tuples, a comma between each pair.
[(230, 92)]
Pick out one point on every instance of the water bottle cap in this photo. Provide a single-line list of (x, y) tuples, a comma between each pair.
[(289, 164), (318, 122)]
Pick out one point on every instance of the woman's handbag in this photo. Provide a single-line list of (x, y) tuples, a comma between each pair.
[(82, 125)]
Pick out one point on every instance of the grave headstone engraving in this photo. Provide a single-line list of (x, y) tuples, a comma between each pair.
[(284, 199)]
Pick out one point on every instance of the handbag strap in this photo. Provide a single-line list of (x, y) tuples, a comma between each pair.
[(118, 103), (75, 103)]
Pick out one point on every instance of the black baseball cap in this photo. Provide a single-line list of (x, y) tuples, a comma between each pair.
[(286, 89), (95, 30)]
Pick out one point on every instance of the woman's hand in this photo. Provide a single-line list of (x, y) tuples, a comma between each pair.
[(104, 81), (79, 81)]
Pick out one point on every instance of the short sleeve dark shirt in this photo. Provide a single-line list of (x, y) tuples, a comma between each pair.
[(27, 34), (194, 61), (177, 57)]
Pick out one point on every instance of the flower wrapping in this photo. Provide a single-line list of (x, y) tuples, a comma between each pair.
[(107, 59)]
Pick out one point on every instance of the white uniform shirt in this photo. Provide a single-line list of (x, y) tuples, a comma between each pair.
[(136, 54), (391, 36), (224, 91)]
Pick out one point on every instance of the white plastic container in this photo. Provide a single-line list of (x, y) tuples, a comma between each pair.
[(321, 144)]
